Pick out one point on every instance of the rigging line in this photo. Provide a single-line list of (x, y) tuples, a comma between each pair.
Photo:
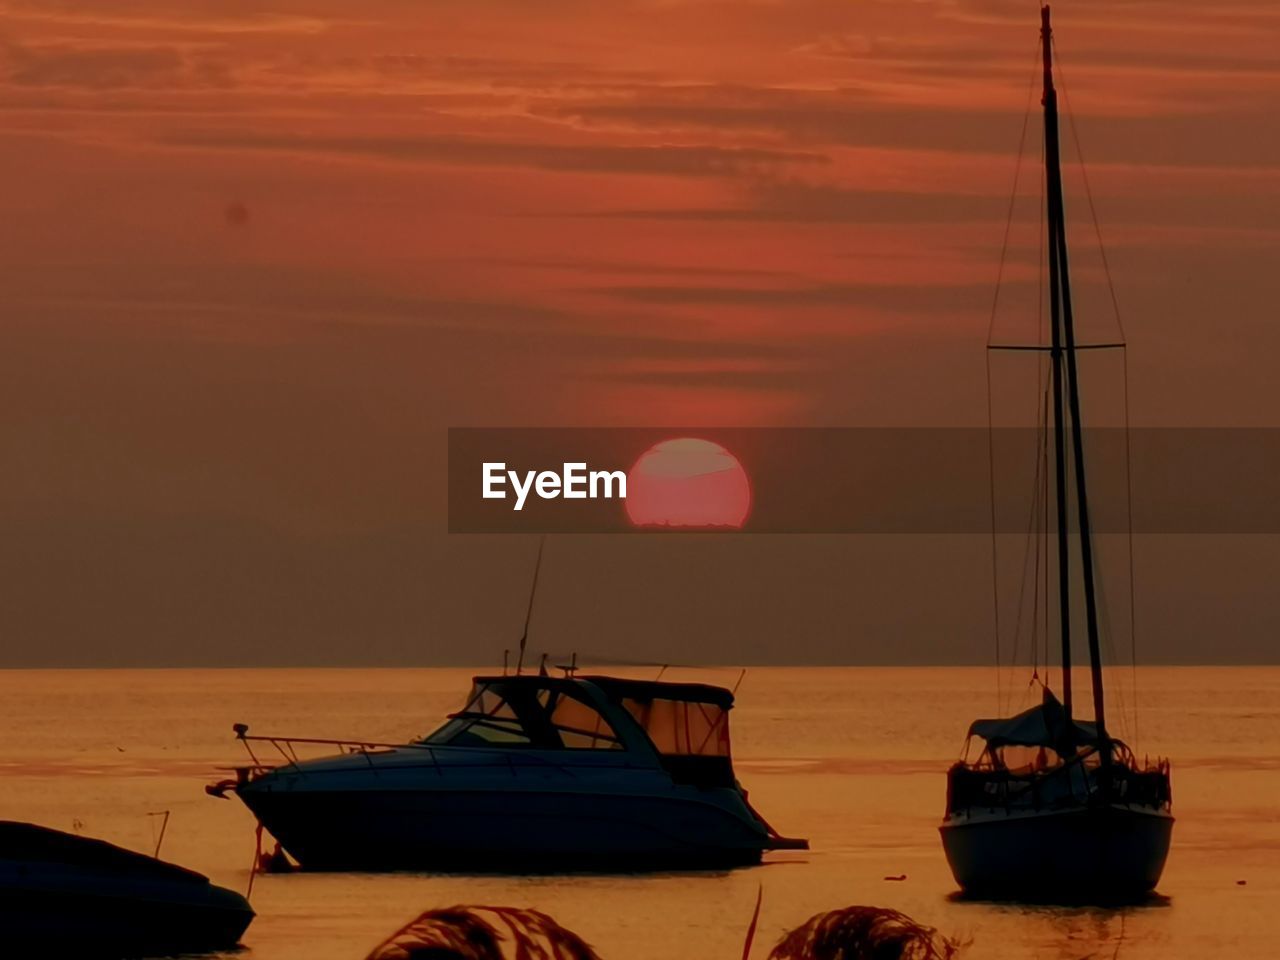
[(1029, 574), (1128, 506), (1044, 526), (995, 303), (1108, 644), (1128, 459), (995, 555), (1033, 542), (1022, 599), (1088, 191), (1040, 507), (1034, 536), (1042, 385), (1013, 193), (1030, 562)]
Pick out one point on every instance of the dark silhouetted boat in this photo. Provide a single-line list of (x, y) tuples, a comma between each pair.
[(1055, 808), (63, 895), (533, 773)]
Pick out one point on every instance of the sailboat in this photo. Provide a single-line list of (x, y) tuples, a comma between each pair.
[(1055, 808)]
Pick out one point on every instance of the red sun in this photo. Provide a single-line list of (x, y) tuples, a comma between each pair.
[(688, 482)]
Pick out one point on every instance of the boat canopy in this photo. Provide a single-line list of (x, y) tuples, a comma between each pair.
[(616, 688), (682, 719), (1044, 725), (687, 723)]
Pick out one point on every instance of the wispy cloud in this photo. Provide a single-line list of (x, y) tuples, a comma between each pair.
[(112, 67), (799, 202), (905, 299), (193, 18), (661, 160)]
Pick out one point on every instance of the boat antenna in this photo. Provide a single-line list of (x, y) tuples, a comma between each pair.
[(506, 659), (528, 614), (164, 825)]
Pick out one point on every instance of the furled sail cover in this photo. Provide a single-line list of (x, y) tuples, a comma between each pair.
[(1044, 725)]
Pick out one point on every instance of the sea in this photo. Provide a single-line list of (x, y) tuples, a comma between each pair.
[(852, 758)]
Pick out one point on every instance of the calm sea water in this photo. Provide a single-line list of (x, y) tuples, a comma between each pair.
[(851, 758)]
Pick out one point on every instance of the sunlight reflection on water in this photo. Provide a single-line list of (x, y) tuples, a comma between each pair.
[(850, 757)]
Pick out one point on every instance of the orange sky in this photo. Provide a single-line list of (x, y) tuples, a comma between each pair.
[(257, 256)]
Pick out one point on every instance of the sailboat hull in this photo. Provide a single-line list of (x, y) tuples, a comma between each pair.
[(1093, 854)]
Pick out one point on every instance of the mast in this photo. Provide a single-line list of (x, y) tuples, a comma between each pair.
[(1053, 174), (1065, 342)]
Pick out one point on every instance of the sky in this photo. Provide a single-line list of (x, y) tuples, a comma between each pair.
[(259, 256)]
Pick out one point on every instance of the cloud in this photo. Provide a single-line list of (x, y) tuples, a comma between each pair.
[(1228, 18), (846, 117), (1156, 199), (796, 202), (588, 266), (516, 73), (95, 66), (709, 373), (901, 298), (244, 297), (253, 302), (1173, 135), (660, 160), (211, 19)]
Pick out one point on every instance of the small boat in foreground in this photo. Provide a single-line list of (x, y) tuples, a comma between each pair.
[(1055, 808), (65, 895), (535, 772)]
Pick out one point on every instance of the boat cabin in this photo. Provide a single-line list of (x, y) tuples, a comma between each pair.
[(1036, 739), (685, 724), (1041, 756)]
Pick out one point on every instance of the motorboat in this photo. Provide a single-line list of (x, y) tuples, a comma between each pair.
[(67, 895), (534, 773)]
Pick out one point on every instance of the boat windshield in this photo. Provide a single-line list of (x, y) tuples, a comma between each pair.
[(520, 715), (1021, 760)]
